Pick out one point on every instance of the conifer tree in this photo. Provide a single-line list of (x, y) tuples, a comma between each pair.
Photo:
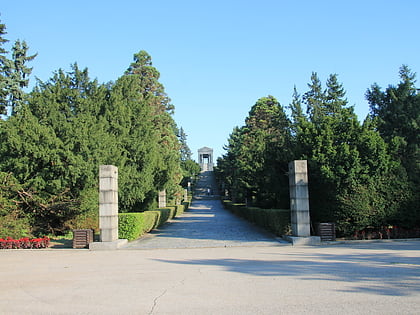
[(168, 173), (396, 113), (3, 78), (18, 74)]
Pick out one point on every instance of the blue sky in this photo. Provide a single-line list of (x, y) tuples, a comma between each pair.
[(216, 58)]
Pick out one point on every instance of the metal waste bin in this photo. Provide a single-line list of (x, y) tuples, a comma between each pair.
[(326, 231), (82, 238)]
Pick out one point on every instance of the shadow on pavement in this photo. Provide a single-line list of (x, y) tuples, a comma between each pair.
[(393, 273)]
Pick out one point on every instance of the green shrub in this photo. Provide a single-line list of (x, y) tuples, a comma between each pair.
[(151, 220), (276, 221), (130, 225)]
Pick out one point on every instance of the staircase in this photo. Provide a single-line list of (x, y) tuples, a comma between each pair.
[(206, 187)]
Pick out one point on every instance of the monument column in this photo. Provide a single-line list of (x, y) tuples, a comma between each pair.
[(299, 198), (162, 199), (108, 209), (299, 205)]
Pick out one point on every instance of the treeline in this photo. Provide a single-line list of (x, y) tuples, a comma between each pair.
[(360, 174), (54, 138)]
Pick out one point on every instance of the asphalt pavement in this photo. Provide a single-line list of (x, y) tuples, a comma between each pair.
[(210, 262)]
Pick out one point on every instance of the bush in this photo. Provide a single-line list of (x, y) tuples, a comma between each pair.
[(24, 243), (132, 225), (276, 221)]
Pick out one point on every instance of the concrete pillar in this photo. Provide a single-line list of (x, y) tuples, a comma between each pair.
[(108, 203), (108, 210), (185, 195), (299, 198), (162, 199)]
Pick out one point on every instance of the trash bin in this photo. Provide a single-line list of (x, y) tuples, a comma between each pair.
[(326, 231), (82, 238)]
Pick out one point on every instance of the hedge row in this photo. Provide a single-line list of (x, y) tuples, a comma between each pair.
[(276, 221), (134, 224)]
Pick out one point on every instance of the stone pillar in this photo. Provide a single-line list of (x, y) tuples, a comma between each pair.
[(108, 203), (108, 210), (162, 199), (299, 198), (185, 195), (299, 205)]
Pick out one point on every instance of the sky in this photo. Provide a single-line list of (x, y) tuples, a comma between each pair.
[(217, 58)]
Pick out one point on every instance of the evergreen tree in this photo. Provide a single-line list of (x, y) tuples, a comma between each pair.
[(396, 114), (17, 74), (3, 78), (184, 149), (137, 141), (189, 167), (168, 173), (348, 164), (254, 160)]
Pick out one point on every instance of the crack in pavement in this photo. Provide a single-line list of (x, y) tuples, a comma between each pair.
[(155, 301)]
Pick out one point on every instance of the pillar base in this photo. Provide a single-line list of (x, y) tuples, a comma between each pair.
[(302, 240), (108, 245)]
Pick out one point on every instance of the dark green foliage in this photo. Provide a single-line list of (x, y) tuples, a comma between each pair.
[(276, 221), (130, 225), (360, 175), (14, 74), (70, 125), (190, 168), (3, 79), (348, 162), (13, 221), (396, 114), (133, 225), (256, 163)]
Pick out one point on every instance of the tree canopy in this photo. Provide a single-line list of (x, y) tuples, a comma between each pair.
[(355, 178), (55, 137)]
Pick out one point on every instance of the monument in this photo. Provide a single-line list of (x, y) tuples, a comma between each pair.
[(205, 159)]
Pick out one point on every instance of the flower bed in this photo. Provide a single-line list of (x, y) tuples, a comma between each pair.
[(24, 242)]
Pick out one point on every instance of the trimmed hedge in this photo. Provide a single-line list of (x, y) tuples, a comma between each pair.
[(276, 221), (132, 225)]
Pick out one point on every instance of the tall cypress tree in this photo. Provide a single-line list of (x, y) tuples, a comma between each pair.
[(3, 79)]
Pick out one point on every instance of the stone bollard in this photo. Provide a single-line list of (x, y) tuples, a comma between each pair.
[(299, 205), (162, 199), (299, 198), (108, 203), (185, 195), (108, 209)]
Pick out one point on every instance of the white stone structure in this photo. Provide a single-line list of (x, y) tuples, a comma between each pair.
[(205, 159), (162, 199), (299, 205), (108, 209)]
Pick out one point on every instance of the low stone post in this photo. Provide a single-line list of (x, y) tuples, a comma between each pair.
[(299, 205), (162, 199), (185, 195), (108, 209)]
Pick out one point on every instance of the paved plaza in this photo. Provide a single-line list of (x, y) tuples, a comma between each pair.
[(211, 262), (235, 270)]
